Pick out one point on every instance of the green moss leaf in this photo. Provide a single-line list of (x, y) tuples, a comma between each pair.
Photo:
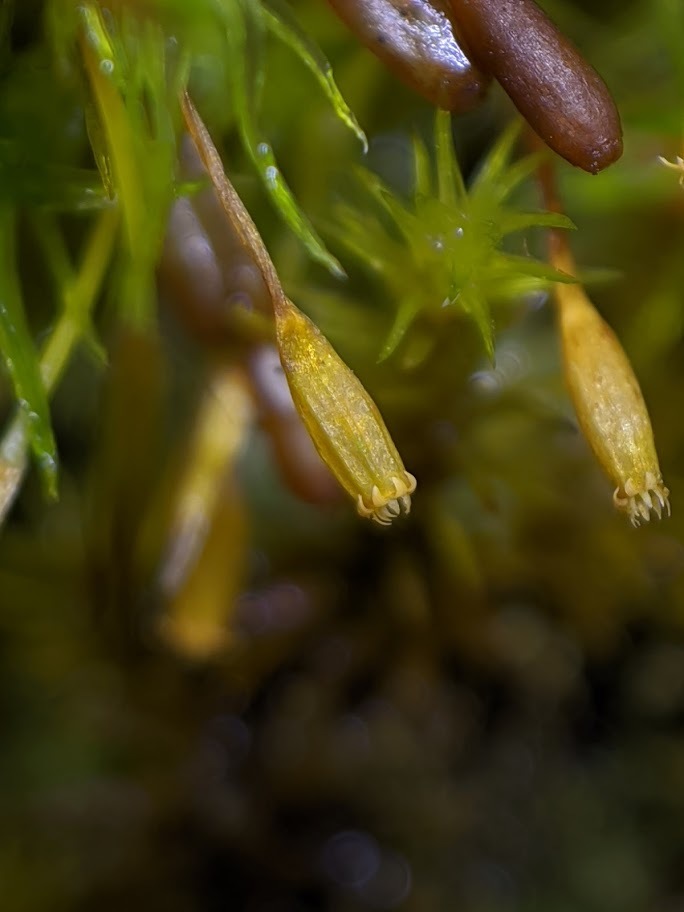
[(521, 221), (442, 256), (21, 359), (282, 23), (242, 23)]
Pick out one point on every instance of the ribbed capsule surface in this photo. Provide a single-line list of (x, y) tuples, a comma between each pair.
[(417, 41), (300, 466), (342, 420), (610, 406), (558, 92)]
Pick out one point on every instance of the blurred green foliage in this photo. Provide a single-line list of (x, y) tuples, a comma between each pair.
[(479, 709)]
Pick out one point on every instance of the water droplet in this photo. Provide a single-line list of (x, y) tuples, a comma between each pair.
[(486, 382)]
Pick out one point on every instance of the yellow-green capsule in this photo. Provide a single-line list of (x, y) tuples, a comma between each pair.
[(202, 568), (610, 406), (342, 420)]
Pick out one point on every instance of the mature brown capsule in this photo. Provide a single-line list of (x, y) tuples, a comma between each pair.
[(561, 95), (417, 41)]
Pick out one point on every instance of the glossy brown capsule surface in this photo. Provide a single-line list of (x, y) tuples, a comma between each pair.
[(417, 41), (561, 95)]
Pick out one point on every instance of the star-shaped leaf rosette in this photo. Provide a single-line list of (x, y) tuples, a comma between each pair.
[(444, 254)]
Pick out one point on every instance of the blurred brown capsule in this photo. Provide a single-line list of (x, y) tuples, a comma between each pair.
[(204, 271), (561, 95), (191, 278), (299, 464), (417, 41)]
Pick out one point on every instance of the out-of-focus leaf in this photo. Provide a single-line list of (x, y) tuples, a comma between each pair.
[(404, 220), (496, 163), (134, 86), (521, 221), (99, 147), (279, 19), (78, 294), (422, 187), (241, 22), (509, 263), (407, 311), (21, 359), (599, 275), (47, 185), (352, 235)]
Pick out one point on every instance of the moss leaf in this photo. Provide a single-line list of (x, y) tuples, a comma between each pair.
[(21, 359)]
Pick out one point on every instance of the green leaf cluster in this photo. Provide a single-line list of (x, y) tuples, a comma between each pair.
[(116, 74), (444, 255)]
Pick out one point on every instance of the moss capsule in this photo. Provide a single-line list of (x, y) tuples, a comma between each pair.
[(559, 93), (342, 420), (417, 41), (609, 406), (203, 565)]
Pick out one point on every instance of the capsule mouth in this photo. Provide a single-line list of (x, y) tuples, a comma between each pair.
[(639, 501), (384, 509)]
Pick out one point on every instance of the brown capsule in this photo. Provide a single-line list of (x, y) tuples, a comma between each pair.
[(190, 275), (561, 95), (204, 270), (241, 276), (417, 41)]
